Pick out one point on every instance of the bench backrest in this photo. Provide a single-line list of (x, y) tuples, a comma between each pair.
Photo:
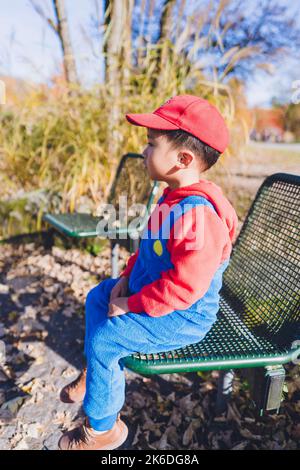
[(262, 280), (133, 182)]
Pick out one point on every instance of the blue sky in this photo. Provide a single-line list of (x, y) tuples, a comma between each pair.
[(29, 49)]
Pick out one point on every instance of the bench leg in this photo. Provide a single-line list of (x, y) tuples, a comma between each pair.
[(134, 244), (225, 382), (266, 387), (49, 239), (114, 260)]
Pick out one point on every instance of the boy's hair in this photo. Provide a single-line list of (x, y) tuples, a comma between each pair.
[(179, 138)]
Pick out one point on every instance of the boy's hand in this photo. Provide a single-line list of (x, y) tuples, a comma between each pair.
[(120, 288), (118, 306)]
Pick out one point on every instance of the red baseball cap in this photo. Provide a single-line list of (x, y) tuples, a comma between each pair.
[(188, 113)]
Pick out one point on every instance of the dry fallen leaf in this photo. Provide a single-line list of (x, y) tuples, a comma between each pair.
[(163, 411)]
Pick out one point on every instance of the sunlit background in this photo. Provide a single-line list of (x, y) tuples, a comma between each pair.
[(63, 130)]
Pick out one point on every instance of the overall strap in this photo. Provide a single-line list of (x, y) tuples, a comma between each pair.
[(178, 210), (195, 200)]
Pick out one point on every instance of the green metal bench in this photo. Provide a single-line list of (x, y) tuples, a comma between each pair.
[(258, 323), (131, 181)]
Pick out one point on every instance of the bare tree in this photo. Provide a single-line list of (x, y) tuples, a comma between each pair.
[(165, 25), (61, 27), (223, 38), (117, 38), (65, 41), (145, 18), (165, 30), (117, 51)]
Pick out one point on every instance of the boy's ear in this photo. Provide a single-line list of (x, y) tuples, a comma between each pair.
[(184, 159)]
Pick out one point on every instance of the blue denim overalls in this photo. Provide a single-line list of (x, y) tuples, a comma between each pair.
[(109, 339)]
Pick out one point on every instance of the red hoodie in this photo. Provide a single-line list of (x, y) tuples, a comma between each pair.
[(193, 270)]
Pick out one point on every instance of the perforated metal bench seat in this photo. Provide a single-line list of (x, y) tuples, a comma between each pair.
[(74, 225), (78, 225), (132, 181), (229, 344), (259, 318)]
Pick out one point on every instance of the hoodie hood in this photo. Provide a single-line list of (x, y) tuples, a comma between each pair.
[(213, 193)]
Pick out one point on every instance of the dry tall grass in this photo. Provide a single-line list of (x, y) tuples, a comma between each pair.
[(55, 146)]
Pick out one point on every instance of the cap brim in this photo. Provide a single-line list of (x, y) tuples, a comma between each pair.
[(153, 121)]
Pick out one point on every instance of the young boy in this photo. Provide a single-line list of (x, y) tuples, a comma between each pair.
[(168, 294)]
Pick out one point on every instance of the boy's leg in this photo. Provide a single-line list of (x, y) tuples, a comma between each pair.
[(119, 337), (96, 307)]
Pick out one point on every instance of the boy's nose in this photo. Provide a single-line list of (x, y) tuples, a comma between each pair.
[(144, 160)]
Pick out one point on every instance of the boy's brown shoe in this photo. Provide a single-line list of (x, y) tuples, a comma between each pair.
[(75, 391), (85, 438)]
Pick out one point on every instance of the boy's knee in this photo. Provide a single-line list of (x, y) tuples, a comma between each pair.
[(91, 297), (101, 337), (95, 294)]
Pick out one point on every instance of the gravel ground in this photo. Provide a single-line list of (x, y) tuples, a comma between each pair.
[(42, 294)]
